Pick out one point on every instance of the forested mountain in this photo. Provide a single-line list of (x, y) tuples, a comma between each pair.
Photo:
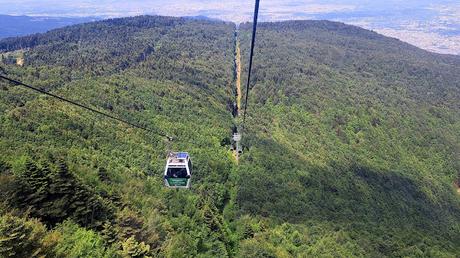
[(355, 134), (352, 143)]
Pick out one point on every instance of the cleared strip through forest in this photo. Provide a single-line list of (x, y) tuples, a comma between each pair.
[(238, 73), (237, 101)]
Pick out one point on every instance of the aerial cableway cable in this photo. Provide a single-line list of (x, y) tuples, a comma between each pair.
[(253, 40), (16, 82)]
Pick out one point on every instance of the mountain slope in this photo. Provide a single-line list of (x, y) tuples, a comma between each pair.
[(155, 71), (352, 129), (352, 142)]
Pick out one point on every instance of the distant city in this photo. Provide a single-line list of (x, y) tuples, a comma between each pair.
[(432, 25)]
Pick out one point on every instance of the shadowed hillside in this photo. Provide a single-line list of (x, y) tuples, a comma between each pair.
[(356, 130)]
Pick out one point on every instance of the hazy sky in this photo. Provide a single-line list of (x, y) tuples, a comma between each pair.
[(225, 9)]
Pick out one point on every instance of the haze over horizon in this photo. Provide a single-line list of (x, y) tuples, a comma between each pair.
[(432, 25)]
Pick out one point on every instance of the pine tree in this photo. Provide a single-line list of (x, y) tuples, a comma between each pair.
[(20, 237), (130, 224), (63, 179), (109, 233), (4, 166), (134, 249), (61, 194), (55, 196), (210, 218), (103, 175), (81, 206), (34, 176), (38, 182)]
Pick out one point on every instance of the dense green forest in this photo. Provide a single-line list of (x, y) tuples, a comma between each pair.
[(356, 134), (352, 143)]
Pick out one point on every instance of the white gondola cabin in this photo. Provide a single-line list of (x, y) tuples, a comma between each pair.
[(178, 171)]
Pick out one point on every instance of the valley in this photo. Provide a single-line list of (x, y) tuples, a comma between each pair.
[(351, 142)]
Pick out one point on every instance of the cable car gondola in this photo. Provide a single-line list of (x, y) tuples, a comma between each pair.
[(178, 171)]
